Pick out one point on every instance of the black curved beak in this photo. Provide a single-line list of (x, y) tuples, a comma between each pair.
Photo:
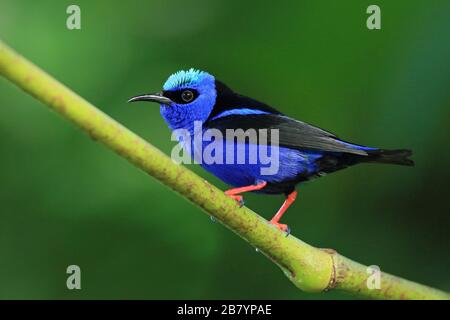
[(155, 97)]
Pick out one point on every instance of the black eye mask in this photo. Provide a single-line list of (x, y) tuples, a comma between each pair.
[(183, 96)]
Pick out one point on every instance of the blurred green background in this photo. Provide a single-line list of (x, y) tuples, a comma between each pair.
[(68, 200)]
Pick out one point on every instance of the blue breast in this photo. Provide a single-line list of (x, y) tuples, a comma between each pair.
[(246, 169)]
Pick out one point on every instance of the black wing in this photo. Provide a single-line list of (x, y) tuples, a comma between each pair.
[(292, 133), (227, 100)]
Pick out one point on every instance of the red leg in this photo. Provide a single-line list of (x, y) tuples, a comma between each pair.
[(234, 193), (289, 200)]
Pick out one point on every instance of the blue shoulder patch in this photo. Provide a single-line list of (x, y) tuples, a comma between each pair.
[(241, 111)]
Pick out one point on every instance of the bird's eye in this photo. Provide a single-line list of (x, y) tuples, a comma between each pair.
[(187, 95)]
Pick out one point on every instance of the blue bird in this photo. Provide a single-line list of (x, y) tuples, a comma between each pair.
[(305, 151)]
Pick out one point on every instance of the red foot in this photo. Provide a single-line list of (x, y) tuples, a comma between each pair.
[(289, 200), (282, 227), (234, 193), (239, 199)]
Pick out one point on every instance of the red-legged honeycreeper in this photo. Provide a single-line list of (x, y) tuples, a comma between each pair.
[(305, 152)]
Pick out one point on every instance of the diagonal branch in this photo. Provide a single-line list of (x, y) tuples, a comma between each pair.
[(309, 268)]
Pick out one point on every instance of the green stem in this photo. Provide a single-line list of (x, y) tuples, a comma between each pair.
[(309, 268)]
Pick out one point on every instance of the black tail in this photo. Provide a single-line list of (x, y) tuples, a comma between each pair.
[(399, 157)]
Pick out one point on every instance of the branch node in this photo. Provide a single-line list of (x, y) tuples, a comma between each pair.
[(333, 278)]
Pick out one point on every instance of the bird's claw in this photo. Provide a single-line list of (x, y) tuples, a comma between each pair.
[(239, 199), (283, 227)]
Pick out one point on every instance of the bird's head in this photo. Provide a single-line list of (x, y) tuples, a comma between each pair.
[(187, 96)]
